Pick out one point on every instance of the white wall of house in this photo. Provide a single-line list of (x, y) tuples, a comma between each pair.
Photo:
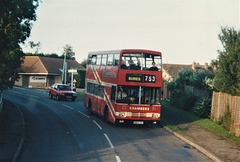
[(19, 81), (166, 75)]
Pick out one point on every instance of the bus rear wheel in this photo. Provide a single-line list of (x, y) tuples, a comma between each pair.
[(106, 115), (90, 106)]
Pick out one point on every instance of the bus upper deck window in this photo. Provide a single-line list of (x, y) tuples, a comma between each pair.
[(99, 57), (104, 59), (140, 61), (116, 59), (94, 59), (89, 59), (110, 59)]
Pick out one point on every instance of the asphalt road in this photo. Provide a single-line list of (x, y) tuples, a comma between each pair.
[(66, 131)]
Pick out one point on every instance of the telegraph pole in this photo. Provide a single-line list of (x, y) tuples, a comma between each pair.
[(64, 68)]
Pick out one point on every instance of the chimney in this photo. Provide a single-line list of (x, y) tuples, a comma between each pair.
[(206, 66), (193, 65)]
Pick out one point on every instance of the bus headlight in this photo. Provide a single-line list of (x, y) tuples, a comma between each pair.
[(155, 115), (121, 114)]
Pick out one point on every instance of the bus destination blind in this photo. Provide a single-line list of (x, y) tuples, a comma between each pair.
[(140, 78)]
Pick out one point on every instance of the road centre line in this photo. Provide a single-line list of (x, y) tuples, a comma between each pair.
[(50, 101), (68, 106), (83, 114), (97, 124), (109, 141), (118, 159)]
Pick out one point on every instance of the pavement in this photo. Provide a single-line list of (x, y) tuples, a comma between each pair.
[(215, 147)]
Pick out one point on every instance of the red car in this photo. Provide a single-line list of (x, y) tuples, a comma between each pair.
[(62, 91)]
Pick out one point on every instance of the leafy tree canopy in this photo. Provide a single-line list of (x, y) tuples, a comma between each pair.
[(84, 63), (53, 55), (228, 63), (15, 26), (70, 53)]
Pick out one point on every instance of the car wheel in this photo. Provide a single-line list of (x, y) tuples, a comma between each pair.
[(50, 95), (57, 97)]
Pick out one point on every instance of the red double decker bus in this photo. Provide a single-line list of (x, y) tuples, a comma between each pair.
[(124, 85)]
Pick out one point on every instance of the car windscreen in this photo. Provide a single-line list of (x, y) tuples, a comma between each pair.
[(63, 87)]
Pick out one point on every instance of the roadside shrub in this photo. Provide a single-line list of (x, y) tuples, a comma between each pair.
[(80, 78), (226, 120), (202, 108), (184, 101)]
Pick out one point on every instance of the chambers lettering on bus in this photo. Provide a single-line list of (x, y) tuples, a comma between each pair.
[(124, 85)]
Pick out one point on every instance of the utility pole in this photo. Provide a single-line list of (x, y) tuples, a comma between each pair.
[(64, 68), (65, 73)]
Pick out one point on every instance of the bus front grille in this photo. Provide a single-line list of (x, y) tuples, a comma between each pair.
[(139, 115)]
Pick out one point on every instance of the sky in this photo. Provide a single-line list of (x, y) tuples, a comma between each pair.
[(183, 30)]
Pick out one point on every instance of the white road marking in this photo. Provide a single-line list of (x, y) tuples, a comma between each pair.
[(97, 124), (68, 106), (118, 159), (109, 141), (83, 114), (50, 101)]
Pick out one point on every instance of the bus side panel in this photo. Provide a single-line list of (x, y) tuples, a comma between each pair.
[(111, 114), (108, 74), (95, 104), (102, 105), (85, 99)]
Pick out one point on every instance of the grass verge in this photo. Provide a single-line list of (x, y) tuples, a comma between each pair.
[(170, 125), (206, 123)]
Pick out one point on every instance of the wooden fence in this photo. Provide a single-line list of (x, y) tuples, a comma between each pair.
[(220, 103)]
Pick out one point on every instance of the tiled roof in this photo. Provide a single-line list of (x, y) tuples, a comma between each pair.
[(32, 64), (173, 69), (47, 65)]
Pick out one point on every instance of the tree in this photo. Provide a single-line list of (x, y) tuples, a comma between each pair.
[(227, 77), (70, 53), (15, 25), (35, 45), (53, 55), (84, 63), (201, 79), (178, 95)]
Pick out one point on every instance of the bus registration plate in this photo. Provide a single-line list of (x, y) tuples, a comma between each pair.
[(138, 122)]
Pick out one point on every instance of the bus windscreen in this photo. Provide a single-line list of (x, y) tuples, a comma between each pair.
[(141, 61), (138, 95)]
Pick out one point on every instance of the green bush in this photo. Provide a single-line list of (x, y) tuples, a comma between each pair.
[(202, 108), (80, 78), (184, 101), (226, 120)]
